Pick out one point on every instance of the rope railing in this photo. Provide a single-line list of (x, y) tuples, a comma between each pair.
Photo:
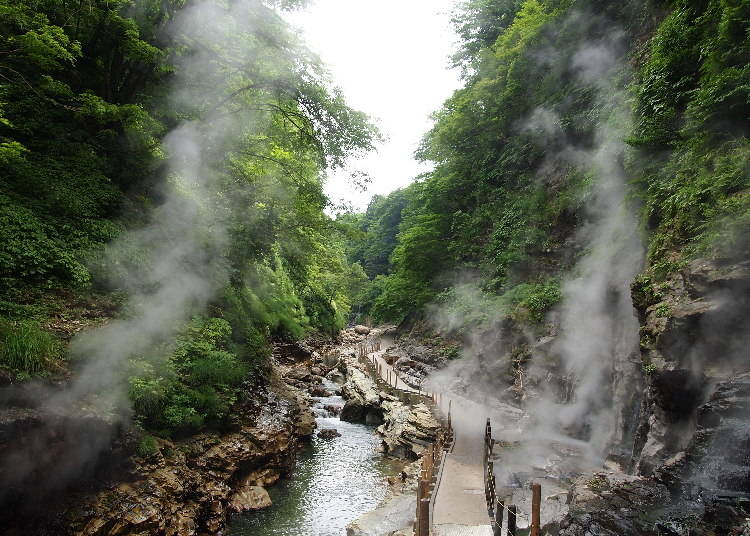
[(496, 508)]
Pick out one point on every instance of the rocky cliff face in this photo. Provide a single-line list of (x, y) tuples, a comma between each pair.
[(690, 457), (680, 401), (191, 487), (181, 488)]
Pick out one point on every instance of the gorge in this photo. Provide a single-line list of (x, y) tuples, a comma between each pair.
[(184, 306)]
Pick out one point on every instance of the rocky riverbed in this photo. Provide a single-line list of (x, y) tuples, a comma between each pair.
[(196, 485)]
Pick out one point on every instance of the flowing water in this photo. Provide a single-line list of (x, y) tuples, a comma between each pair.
[(335, 481)]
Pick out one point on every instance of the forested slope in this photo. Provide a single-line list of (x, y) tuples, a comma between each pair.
[(547, 85), (163, 163), (580, 251)]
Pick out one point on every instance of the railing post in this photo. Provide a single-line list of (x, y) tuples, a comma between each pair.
[(536, 501), (424, 521), (512, 520), (497, 527)]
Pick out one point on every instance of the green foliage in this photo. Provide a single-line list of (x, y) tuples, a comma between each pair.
[(86, 97), (26, 349), (195, 387), (530, 302), (147, 445), (693, 104), (505, 197)]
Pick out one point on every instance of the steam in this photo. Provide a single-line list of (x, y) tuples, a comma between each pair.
[(180, 253), (594, 340), (181, 274)]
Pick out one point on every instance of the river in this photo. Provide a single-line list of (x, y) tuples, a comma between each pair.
[(334, 482)]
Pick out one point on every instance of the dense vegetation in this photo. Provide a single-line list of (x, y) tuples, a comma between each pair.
[(88, 92), (91, 91), (547, 82)]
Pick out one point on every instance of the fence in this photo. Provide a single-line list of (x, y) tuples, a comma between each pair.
[(434, 455), (496, 507)]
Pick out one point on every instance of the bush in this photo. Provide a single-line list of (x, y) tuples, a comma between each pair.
[(218, 367), (532, 301), (147, 446), (27, 348)]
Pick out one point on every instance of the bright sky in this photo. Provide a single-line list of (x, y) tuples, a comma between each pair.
[(390, 58)]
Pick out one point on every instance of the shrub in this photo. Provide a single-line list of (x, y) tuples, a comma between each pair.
[(218, 367), (27, 348), (147, 446), (532, 301)]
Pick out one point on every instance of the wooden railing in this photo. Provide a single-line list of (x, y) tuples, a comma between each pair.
[(432, 461), (434, 454), (496, 507), (389, 384)]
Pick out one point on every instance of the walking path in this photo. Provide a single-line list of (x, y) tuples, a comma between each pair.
[(459, 508)]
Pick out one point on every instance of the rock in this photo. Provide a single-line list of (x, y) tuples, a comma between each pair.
[(600, 507), (316, 371), (301, 373), (389, 518), (406, 426), (187, 489), (361, 394), (361, 330), (353, 411), (293, 352), (329, 433), (262, 477), (250, 498), (678, 391), (374, 417), (319, 391), (305, 423), (333, 409), (336, 377)]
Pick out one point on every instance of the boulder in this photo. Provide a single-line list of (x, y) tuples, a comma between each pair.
[(333, 409), (329, 433), (250, 498), (301, 373), (336, 377), (353, 411), (319, 391), (361, 330), (404, 426)]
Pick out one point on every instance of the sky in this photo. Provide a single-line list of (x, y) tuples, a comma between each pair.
[(391, 60)]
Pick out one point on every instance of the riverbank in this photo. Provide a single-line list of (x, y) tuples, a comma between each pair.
[(197, 485)]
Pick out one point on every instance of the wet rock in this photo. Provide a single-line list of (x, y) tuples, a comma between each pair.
[(603, 508), (305, 424), (353, 411), (336, 377), (678, 391), (329, 433), (250, 498), (318, 390), (333, 409), (374, 417)]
